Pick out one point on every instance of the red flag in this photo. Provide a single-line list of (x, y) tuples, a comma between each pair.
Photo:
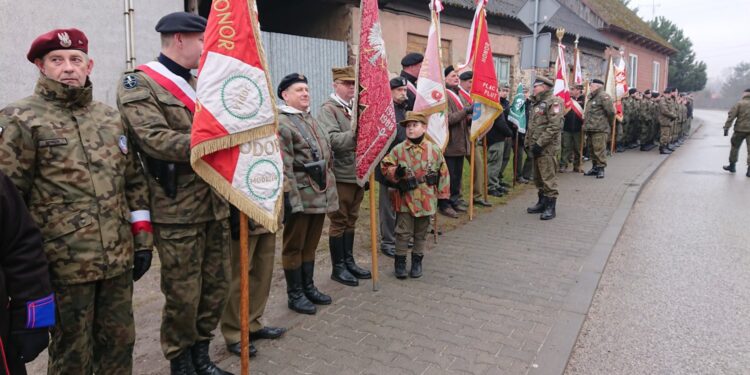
[(376, 119), (233, 139), (562, 89), (484, 90)]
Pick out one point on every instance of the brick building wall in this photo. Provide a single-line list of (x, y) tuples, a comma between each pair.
[(646, 59)]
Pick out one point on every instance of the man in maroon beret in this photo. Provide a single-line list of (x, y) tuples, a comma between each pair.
[(69, 157)]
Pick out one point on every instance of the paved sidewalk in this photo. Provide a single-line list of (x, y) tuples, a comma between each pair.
[(506, 293)]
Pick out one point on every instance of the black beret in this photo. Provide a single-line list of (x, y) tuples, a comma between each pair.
[(467, 75), (655, 94), (670, 90), (288, 81), (397, 82), (412, 59), (632, 91), (448, 70), (747, 90), (596, 80), (544, 80), (647, 92), (181, 22)]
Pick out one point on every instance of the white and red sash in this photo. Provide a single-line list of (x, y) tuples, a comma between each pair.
[(410, 86), (456, 100), (171, 82), (464, 94)]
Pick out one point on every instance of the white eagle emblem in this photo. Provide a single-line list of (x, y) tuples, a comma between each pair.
[(64, 39), (376, 43)]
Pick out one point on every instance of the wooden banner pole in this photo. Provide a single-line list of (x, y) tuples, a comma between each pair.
[(486, 171), (373, 234), (471, 181), (244, 296)]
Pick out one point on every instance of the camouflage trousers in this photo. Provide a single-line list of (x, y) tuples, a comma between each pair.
[(665, 137), (301, 236), (598, 148), (545, 173), (194, 280), (260, 253), (571, 149), (94, 331), (408, 227), (737, 138), (345, 218), (646, 132)]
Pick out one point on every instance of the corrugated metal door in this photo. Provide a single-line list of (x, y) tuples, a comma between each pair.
[(310, 56)]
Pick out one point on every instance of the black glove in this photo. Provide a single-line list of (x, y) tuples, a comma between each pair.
[(400, 171), (367, 186), (141, 263), (29, 343), (726, 132), (536, 150), (287, 208), (469, 109)]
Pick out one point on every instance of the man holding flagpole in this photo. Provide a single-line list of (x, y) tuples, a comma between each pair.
[(459, 112), (191, 230), (464, 86), (411, 64)]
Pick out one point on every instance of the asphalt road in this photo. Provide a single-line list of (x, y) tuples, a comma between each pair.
[(675, 296)]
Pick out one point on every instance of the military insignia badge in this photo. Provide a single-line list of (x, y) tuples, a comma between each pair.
[(122, 142), (64, 39), (556, 108), (130, 82)]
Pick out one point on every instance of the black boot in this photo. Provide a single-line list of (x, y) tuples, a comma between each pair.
[(549, 209), (353, 268), (600, 173), (388, 251), (748, 171), (202, 362), (538, 207), (416, 266), (400, 266), (670, 147), (182, 364), (644, 147), (592, 172), (664, 150), (338, 267), (730, 168), (308, 285), (297, 301)]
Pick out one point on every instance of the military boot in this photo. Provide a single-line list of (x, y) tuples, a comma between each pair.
[(549, 209), (202, 362), (353, 268), (730, 168), (748, 171), (308, 286), (664, 150), (399, 267), (296, 299), (338, 267), (670, 147), (600, 173), (182, 364), (592, 172), (416, 266), (539, 206)]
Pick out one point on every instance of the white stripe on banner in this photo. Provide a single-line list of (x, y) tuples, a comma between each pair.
[(179, 81), (140, 215)]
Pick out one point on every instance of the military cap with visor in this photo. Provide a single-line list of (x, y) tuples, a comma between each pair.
[(413, 116), (343, 74), (544, 81)]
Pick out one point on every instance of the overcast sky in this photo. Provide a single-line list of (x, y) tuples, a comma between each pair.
[(719, 29)]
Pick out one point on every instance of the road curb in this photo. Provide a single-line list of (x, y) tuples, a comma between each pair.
[(553, 356)]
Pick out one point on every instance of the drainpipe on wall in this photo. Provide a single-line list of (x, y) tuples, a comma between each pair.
[(129, 35)]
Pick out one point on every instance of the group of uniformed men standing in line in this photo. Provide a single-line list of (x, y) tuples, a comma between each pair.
[(106, 187)]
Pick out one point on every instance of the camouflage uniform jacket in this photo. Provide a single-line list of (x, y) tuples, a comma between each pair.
[(599, 112), (418, 159), (336, 120), (654, 111), (69, 157), (160, 126), (741, 113), (666, 112), (628, 110), (304, 194), (546, 121)]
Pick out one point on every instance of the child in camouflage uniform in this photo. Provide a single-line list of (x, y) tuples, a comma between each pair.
[(418, 167)]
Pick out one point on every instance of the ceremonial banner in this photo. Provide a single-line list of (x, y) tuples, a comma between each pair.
[(610, 87), (621, 83), (562, 89), (517, 114), (431, 95), (577, 72), (470, 44), (376, 119), (484, 91), (233, 140)]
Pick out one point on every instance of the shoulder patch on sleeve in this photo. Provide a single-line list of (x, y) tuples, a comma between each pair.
[(556, 107), (130, 81)]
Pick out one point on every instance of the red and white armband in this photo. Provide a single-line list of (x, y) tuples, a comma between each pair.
[(140, 221)]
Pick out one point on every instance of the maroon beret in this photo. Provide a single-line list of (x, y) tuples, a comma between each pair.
[(58, 39)]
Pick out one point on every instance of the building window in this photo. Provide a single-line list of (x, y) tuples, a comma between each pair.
[(633, 75), (655, 76), (418, 43), (502, 68)]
